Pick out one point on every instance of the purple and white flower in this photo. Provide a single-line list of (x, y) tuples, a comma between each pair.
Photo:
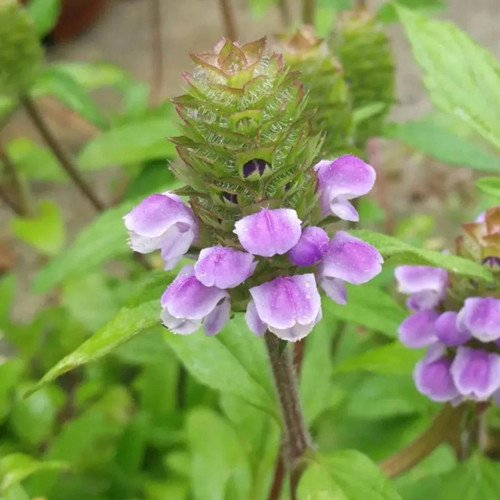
[(418, 330), (425, 285), (224, 267), (342, 180), (311, 247), (269, 232), (448, 331), (481, 316), (288, 306), (162, 221), (432, 375), (347, 259), (187, 304), (476, 373)]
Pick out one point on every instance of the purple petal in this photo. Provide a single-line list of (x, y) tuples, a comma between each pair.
[(418, 330), (286, 301), (343, 179), (335, 289), (310, 248), (175, 246), (181, 326), (217, 319), (158, 218), (433, 378), (254, 323), (476, 373), (481, 315), (269, 232), (187, 298), (448, 332), (350, 259), (426, 285), (224, 267)]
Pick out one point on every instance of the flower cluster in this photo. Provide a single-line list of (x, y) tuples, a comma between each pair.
[(275, 268), (460, 327)]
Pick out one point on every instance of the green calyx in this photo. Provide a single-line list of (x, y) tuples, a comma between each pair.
[(20, 51), (247, 138)]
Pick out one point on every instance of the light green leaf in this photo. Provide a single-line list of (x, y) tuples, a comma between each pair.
[(259, 7), (16, 467), (490, 186), (44, 14), (7, 104), (45, 231), (345, 475), (234, 361), (400, 252), (7, 294), (218, 471), (393, 358), (93, 75), (387, 12), (140, 141), (461, 76), (34, 161), (443, 144), (62, 86)]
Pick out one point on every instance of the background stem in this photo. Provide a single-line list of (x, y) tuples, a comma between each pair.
[(308, 11), (286, 15), (64, 159), (229, 19), (19, 203), (156, 51)]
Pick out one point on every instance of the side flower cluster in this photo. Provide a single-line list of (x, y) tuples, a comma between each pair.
[(281, 292), (463, 356)]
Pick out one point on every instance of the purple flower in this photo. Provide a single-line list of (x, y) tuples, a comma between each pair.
[(347, 259), (269, 232), (432, 375), (476, 373), (310, 248), (341, 180), (418, 330), (426, 285), (162, 221), (223, 267), (187, 304), (448, 332), (288, 306), (481, 315)]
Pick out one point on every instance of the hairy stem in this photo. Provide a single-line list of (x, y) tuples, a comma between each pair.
[(278, 477), (156, 51), (229, 19), (296, 436), (444, 427), (308, 11), (64, 160)]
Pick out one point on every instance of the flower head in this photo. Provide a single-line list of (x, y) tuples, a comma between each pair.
[(449, 332), (310, 248), (418, 330), (481, 316)]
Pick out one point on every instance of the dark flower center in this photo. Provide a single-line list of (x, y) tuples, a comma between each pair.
[(252, 166)]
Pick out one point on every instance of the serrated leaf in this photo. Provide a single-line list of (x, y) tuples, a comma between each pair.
[(137, 142), (345, 475), (443, 144), (44, 14), (462, 77), (45, 231), (387, 12), (399, 252), (490, 186)]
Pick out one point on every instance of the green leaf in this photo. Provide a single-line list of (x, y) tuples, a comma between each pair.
[(44, 14), (45, 231), (141, 313), (393, 358), (143, 140), (371, 307), (234, 361), (62, 86), (34, 161), (10, 375), (490, 186), (106, 237), (345, 475), (400, 252), (16, 467), (443, 144), (7, 294), (217, 472), (387, 12), (462, 77)]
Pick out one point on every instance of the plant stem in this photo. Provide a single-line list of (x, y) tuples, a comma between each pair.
[(19, 203), (156, 51), (308, 11), (443, 428), (296, 436), (64, 159), (229, 19), (286, 16), (360, 4), (278, 477)]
